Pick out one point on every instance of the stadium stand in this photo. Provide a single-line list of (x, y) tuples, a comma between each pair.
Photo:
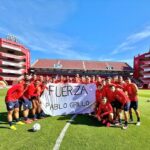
[(71, 67)]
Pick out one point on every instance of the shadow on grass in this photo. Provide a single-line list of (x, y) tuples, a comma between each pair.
[(87, 120), (3, 120), (30, 130), (65, 117), (3, 117), (134, 123), (115, 126), (82, 120), (4, 127)]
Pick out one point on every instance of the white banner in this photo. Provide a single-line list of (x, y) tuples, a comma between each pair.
[(70, 98)]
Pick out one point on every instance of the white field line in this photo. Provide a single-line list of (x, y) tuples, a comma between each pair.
[(62, 134)]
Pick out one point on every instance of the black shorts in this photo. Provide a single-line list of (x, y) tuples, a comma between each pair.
[(33, 98), (134, 105), (20, 102), (113, 104), (127, 106), (118, 105)]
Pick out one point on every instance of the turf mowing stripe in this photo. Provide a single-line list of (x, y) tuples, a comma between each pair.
[(62, 134)]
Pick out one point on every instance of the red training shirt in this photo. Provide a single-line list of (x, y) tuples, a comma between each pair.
[(14, 93)]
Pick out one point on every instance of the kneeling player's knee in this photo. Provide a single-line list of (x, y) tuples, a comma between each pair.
[(111, 115)]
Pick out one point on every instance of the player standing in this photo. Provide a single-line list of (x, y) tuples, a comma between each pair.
[(12, 104), (132, 91)]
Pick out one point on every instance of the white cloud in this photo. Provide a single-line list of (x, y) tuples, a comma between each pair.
[(129, 43), (26, 26), (139, 36), (53, 44)]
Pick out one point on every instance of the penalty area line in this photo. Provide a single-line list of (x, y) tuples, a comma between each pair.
[(62, 134)]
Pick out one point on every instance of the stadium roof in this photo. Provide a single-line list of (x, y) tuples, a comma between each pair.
[(81, 65)]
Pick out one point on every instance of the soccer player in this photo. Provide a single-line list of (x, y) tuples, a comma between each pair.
[(71, 79), (122, 83), (55, 80), (98, 80), (12, 104), (103, 82), (65, 80), (77, 80), (132, 91), (22, 81), (27, 104), (100, 93), (115, 80), (83, 80), (122, 102), (41, 114), (36, 100), (35, 92), (34, 78), (68, 79), (47, 79), (41, 79), (77, 75), (93, 79), (105, 112), (110, 95), (61, 79), (88, 80)]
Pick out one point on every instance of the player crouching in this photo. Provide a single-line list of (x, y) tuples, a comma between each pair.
[(105, 112)]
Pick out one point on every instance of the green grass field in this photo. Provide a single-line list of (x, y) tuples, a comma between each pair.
[(84, 133)]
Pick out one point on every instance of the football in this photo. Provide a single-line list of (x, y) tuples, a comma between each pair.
[(36, 127)]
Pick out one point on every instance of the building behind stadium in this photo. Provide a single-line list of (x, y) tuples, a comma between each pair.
[(14, 59), (82, 67), (142, 69)]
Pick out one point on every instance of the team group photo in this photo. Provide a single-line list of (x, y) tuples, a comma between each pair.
[(74, 75)]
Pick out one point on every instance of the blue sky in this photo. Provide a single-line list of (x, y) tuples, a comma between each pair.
[(105, 30)]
